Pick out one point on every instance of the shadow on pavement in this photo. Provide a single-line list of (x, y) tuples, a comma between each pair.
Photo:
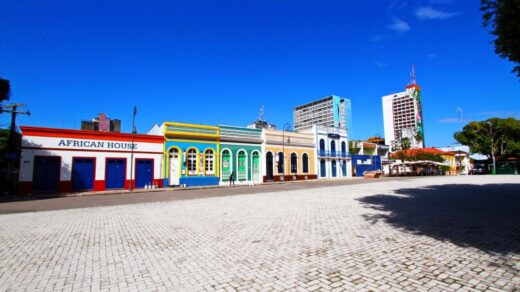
[(486, 217)]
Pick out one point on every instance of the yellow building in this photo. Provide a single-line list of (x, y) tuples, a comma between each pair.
[(449, 159), (288, 156)]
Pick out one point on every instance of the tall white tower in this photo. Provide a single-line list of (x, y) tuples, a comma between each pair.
[(402, 116)]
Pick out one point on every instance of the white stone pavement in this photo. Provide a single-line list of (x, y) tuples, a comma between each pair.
[(338, 238)]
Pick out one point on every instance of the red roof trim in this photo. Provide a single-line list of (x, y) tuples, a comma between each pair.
[(413, 86), (93, 135)]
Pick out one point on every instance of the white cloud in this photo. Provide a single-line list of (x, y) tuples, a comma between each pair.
[(380, 64), (399, 25), (377, 38), (427, 12), (432, 55), (441, 1), (452, 120)]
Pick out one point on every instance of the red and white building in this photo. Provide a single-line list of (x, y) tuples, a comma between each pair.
[(62, 160)]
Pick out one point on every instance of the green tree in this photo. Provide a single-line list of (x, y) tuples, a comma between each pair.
[(406, 143), (493, 137), (503, 16), (5, 89)]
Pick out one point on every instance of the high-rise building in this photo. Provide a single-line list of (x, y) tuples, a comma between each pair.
[(331, 111), (403, 118), (102, 124)]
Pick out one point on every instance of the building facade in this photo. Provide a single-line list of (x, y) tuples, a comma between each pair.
[(191, 154), (62, 160), (331, 111), (462, 158), (240, 155), (102, 123), (368, 156), (331, 152), (288, 156), (403, 117)]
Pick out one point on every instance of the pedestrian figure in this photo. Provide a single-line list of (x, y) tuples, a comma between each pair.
[(232, 178)]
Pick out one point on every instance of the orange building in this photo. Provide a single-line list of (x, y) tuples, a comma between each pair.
[(288, 156)]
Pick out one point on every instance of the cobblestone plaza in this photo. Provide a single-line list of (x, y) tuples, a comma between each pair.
[(425, 234)]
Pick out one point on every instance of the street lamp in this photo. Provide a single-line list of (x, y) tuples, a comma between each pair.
[(132, 150), (494, 171), (286, 127)]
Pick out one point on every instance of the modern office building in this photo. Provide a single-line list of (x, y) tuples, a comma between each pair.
[(403, 117), (331, 111), (102, 124)]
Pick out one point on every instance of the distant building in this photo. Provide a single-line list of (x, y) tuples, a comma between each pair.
[(102, 124), (403, 117), (331, 111), (462, 158), (376, 140), (260, 122), (368, 155)]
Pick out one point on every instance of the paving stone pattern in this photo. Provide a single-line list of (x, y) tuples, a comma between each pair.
[(304, 240)]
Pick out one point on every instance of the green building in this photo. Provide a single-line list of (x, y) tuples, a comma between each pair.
[(240, 154)]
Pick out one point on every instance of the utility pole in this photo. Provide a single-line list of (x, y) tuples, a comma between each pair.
[(286, 127), (13, 155), (12, 108)]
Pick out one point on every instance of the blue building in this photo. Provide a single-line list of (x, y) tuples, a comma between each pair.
[(191, 154)]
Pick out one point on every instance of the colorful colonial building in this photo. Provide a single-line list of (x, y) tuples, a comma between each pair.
[(63, 160), (240, 155), (288, 156), (331, 152), (190, 154)]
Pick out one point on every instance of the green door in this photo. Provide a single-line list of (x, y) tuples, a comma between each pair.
[(242, 172), (226, 165), (256, 167)]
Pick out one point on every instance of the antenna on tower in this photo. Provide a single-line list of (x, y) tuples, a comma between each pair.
[(412, 76), (261, 113), (459, 112)]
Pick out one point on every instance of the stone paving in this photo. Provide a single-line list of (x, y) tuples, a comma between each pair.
[(413, 235)]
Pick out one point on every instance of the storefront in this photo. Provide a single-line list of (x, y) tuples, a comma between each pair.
[(191, 154), (288, 156), (240, 154), (62, 160)]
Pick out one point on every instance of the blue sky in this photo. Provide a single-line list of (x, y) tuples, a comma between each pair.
[(217, 62)]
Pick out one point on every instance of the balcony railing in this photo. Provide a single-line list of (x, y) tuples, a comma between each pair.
[(323, 153)]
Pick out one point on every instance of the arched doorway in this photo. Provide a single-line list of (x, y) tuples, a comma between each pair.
[(305, 163), (269, 165), (322, 147), (323, 168), (333, 148), (241, 166), (174, 167), (225, 171), (255, 166), (334, 170), (344, 168), (294, 163)]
